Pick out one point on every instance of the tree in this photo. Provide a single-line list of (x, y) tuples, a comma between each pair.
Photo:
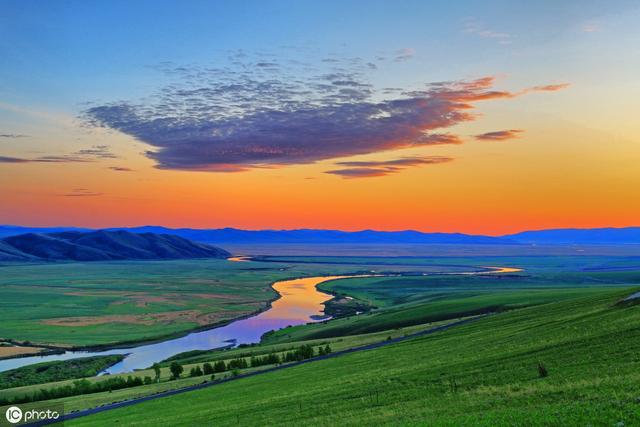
[(156, 369), (327, 349), (219, 366), (176, 369), (196, 372), (207, 368)]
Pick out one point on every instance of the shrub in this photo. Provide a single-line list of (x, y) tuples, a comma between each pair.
[(542, 370)]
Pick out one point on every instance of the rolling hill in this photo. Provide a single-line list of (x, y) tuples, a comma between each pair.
[(103, 245)]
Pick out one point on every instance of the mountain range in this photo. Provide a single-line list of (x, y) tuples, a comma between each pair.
[(594, 236), (103, 245)]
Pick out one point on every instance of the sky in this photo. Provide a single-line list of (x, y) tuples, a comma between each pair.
[(485, 117)]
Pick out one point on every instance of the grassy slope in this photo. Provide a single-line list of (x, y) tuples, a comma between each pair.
[(438, 306), (189, 360), (589, 346)]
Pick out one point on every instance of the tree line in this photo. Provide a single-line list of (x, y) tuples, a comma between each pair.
[(85, 386)]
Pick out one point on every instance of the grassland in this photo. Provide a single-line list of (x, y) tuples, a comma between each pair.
[(484, 373), (546, 308), (108, 303), (104, 303), (190, 360)]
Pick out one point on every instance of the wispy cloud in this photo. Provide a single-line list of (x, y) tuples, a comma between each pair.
[(549, 88), (81, 156), (404, 54), (590, 27), (13, 135), (231, 120), (97, 151), (120, 169), (81, 192), (370, 169), (45, 159), (499, 135), (5, 159), (476, 28)]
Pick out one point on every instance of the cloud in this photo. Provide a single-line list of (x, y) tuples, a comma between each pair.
[(369, 169), (590, 27), (440, 139), (549, 88), (232, 120), (45, 159), (13, 135), (97, 151), (81, 156), (120, 169), (499, 135), (478, 29), (81, 192), (404, 54), (5, 159)]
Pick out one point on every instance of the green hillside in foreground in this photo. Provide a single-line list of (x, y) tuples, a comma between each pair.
[(490, 372)]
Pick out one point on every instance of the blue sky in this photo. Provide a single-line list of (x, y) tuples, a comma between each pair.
[(114, 101), (68, 52)]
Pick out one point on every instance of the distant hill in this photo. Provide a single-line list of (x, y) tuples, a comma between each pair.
[(577, 236), (103, 245), (595, 236), (310, 236), (305, 236)]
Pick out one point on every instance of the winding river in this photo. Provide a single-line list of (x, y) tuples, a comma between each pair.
[(300, 302)]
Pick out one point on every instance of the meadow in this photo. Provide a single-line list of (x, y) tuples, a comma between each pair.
[(94, 304), (564, 363), (559, 315), (108, 303)]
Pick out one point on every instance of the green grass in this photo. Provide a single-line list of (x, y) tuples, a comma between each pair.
[(483, 373), (45, 372), (192, 359), (118, 302), (133, 301), (441, 306)]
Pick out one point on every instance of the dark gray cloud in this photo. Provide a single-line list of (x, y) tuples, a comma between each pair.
[(97, 151), (250, 116), (5, 159), (87, 155), (370, 169), (45, 159), (13, 135), (120, 169)]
